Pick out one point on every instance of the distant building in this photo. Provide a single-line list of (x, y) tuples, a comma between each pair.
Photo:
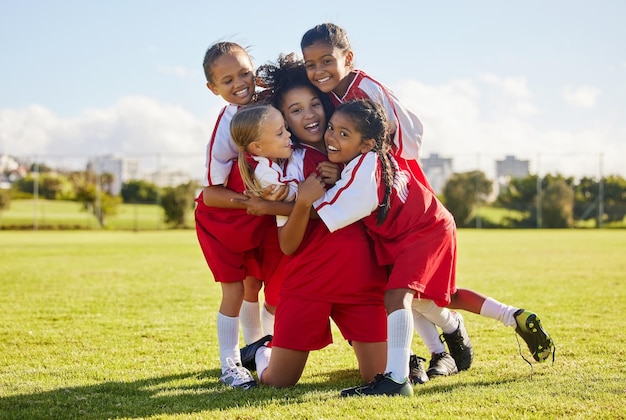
[(438, 171), (122, 168), (169, 178), (511, 167), (508, 169), (10, 171)]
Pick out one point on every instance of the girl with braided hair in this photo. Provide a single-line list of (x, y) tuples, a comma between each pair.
[(413, 234)]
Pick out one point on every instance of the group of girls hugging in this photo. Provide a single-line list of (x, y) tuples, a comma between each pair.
[(314, 194)]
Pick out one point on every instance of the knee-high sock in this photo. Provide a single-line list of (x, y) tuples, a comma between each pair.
[(250, 319), (428, 332), (399, 335), (267, 321), (441, 317), (228, 338), (262, 359), (504, 313)]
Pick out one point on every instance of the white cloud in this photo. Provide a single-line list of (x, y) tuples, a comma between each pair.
[(473, 121), (478, 121), (510, 86), (158, 133), (581, 97)]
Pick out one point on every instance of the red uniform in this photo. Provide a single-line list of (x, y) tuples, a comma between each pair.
[(408, 132), (234, 243), (335, 273), (418, 237)]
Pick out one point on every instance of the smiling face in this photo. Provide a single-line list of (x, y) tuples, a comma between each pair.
[(305, 116), (327, 67), (343, 141), (274, 141), (233, 78)]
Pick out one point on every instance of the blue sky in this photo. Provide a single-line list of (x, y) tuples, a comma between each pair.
[(542, 80)]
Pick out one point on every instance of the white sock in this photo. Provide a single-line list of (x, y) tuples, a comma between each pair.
[(441, 317), (250, 319), (504, 313), (428, 332), (267, 321), (228, 338), (399, 335), (262, 359)]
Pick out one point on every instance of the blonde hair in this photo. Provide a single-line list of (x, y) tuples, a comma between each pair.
[(245, 128)]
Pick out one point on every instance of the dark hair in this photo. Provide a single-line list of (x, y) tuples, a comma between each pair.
[(329, 33), (217, 50), (287, 73), (370, 120)]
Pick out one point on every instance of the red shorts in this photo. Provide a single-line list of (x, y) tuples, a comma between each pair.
[(226, 266), (272, 264), (304, 325), (427, 266)]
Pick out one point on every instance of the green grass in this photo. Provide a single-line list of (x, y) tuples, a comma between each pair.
[(99, 324), (57, 214)]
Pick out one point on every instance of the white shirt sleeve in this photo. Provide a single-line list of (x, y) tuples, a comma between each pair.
[(353, 197), (408, 127), (221, 150), (270, 173)]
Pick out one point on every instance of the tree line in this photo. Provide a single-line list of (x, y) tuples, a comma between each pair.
[(552, 201), (95, 193)]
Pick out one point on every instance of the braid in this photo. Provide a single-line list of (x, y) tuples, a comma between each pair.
[(389, 173)]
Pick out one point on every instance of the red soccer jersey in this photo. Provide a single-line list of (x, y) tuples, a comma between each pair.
[(410, 238), (335, 267)]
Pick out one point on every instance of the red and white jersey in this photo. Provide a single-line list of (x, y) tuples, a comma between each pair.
[(318, 269), (303, 162), (413, 214), (234, 228), (267, 172), (406, 125), (221, 150)]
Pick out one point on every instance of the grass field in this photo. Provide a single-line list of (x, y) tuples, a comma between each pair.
[(99, 324), (57, 214)]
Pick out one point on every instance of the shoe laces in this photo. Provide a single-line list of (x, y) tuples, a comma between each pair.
[(238, 371), (519, 349)]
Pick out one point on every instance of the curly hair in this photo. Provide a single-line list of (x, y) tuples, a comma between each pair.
[(283, 75)]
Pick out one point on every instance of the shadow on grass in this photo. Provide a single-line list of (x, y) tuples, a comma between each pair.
[(185, 393)]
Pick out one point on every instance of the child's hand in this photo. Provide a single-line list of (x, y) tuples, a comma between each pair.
[(275, 193), (329, 172), (254, 205), (311, 189)]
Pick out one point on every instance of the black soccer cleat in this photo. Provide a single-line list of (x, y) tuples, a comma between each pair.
[(381, 385), (459, 345), (248, 353), (530, 329), (417, 373)]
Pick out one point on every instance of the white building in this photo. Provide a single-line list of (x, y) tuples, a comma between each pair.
[(438, 171), (122, 168), (168, 177)]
